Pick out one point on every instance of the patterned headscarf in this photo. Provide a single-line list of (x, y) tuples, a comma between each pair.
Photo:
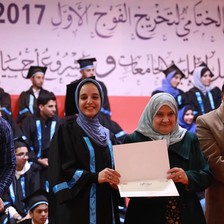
[(92, 126), (197, 80), (145, 125)]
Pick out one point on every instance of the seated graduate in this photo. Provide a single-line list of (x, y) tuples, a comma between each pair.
[(39, 129), (37, 204), (25, 181)]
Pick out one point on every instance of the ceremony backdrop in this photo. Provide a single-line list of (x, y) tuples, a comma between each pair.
[(132, 41)]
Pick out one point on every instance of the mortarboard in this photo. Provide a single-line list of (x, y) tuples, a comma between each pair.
[(36, 198), (70, 107), (172, 68), (20, 142), (35, 69), (86, 63)]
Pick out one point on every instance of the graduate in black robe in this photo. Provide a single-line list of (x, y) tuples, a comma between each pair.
[(83, 182), (203, 97), (39, 130), (26, 181), (37, 204), (170, 85), (27, 102), (87, 70)]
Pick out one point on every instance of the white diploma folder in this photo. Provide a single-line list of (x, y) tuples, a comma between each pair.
[(143, 167)]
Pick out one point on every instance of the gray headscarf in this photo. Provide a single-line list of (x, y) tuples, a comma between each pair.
[(197, 80), (92, 126), (145, 125)]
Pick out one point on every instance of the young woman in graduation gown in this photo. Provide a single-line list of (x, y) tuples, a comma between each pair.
[(83, 182), (170, 85), (203, 97)]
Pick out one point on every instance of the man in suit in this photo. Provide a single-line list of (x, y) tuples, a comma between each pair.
[(210, 131)]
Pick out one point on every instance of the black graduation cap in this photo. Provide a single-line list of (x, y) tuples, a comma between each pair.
[(70, 107), (172, 68), (205, 65), (38, 197), (34, 69), (86, 63), (20, 142)]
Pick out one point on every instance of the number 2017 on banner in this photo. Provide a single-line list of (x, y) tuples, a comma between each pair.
[(13, 12)]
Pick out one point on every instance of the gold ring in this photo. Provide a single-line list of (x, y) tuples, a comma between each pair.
[(179, 176), (110, 177)]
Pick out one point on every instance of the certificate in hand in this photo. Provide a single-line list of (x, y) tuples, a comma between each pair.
[(143, 167)]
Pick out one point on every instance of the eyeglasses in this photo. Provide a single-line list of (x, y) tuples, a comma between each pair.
[(22, 154)]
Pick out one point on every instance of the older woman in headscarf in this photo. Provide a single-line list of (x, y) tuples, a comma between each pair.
[(81, 165), (189, 170), (203, 97)]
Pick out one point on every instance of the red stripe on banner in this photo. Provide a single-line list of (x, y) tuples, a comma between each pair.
[(126, 110)]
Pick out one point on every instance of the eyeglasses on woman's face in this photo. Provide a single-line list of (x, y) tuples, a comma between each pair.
[(22, 154)]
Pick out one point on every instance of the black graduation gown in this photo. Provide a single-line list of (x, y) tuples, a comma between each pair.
[(74, 163), (39, 134), (26, 221), (204, 103), (5, 102), (21, 188), (28, 104)]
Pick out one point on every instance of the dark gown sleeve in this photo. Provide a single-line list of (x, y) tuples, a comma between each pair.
[(34, 178), (216, 92), (28, 127), (181, 99), (23, 108), (106, 103)]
